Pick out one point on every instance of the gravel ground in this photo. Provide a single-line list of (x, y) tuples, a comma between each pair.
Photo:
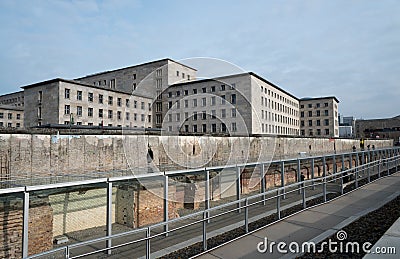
[(368, 228)]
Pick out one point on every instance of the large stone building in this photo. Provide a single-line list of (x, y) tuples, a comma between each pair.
[(319, 117), (236, 105), (13, 99), (379, 128), (61, 101), (11, 116), (150, 79)]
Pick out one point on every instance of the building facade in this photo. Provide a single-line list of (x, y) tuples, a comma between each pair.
[(11, 116), (13, 99), (61, 101), (238, 104), (319, 117), (149, 79)]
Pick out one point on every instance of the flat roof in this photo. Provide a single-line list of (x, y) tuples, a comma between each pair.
[(319, 98), (237, 75), (13, 93), (79, 83), (143, 64)]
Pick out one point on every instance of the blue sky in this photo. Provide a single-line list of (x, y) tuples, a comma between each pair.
[(349, 49)]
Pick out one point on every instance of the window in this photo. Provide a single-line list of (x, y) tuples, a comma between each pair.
[(223, 113), (112, 83), (318, 122), (177, 73), (178, 117), (186, 128), (188, 77), (194, 91), (233, 127), (159, 107), (142, 117), (309, 105), (203, 115), (127, 116), (223, 100), (185, 92), (326, 113), (119, 102), (310, 123), (9, 125), (66, 93), (318, 113), (169, 104), (302, 123), (110, 114), (195, 116), (79, 95), (183, 75), (119, 115), (18, 125), (159, 83), (127, 102), (213, 127), (203, 101), (18, 116), (100, 98), (326, 122), (90, 97), (135, 116), (204, 90), (135, 104), (170, 117), (223, 127), (318, 132), (194, 128), (213, 100), (158, 72), (212, 89), (169, 94), (2, 124), (40, 96), (110, 100), (222, 87), (90, 112), (10, 116), (186, 115), (67, 109), (326, 131), (134, 76), (204, 127), (194, 102), (309, 113), (326, 104), (79, 110), (233, 112), (1, 115), (178, 93), (302, 114), (149, 118), (213, 114), (186, 103), (100, 113), (178, 104), (233, 99), (142, 106), (318, 105)]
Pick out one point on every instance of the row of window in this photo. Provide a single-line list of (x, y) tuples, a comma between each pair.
[(211, 89), (100, 124), (275, 95), (110, 83), (182, 74), (102, 113), (317, 123), (10, 125), (278, 106), (203, 102), (318, 132), (202, 115), (275, 129), (204, 128), (274, 117), (317, 113), (110, 100), (9, 116), (317, 105)]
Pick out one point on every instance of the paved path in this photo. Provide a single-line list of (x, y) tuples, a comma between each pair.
[(315, 224)]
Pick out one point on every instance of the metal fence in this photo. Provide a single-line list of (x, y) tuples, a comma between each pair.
[(200, 227)]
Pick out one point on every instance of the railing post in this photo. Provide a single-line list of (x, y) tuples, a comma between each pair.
[(369, 166), (238, 187), (278, 203), (379, 167), (25, 223), (67, 252), (283, 179), (303, 185), (148, 248), (298, 174), (357, 169), (262, 175), (341, 175), (312, 173), (205, 231), (246, 215), (207, 192), (334, 167), (324, 173), (109, 217), (166, 205)]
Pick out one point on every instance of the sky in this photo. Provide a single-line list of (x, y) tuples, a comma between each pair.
[(349, 49)]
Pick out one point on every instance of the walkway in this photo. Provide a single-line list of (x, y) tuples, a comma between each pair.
[(315, 224)]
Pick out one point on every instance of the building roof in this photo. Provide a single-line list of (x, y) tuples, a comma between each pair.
[(319, 98), (78, 83), (13, 93), (236, 75), (138, 65), (11, 107)]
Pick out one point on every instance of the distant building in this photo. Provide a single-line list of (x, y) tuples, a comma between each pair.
[(11, 116), (13, 99), (319, 117), (379, 128), (346, 132), (61, 101)]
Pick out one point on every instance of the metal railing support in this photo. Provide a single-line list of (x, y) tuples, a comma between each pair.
[(205, 231), (25, 224), (283, 179), (148, 248), (312, 172), (298, 174), (246, 215), (278, 204), (166, 205), (263, 182), (207, 193), (238, 187), (109, 217), (324, 174), (304, 195), (357, 169)]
